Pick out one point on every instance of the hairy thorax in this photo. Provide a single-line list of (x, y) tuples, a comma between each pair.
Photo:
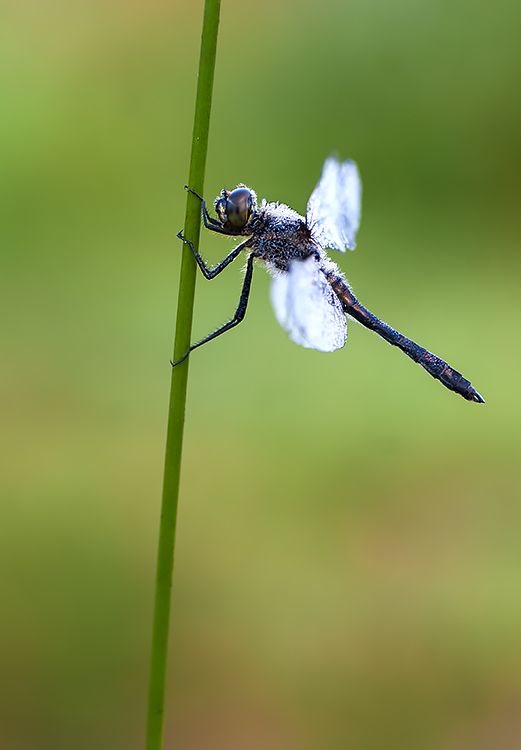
[(279, 235)]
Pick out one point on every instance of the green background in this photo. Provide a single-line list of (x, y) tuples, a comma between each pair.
[(348, 560)]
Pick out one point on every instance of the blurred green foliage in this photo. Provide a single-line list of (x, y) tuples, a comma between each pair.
[(347, 571)]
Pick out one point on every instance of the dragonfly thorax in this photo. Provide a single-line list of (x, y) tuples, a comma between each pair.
[(280, 235)]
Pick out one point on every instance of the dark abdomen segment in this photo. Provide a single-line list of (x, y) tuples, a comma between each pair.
[(438, 368)]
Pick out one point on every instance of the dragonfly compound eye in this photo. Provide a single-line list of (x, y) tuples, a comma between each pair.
[(240, 204)]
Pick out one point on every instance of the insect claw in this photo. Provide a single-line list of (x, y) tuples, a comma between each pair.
[(175, 362), (189, 190)]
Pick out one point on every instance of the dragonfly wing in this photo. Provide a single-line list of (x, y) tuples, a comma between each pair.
[(307, 308), (333, 211)]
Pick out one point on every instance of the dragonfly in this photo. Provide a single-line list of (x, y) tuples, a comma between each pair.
[(310, 295)]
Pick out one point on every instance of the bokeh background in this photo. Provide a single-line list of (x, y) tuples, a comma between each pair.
[(348, 561)]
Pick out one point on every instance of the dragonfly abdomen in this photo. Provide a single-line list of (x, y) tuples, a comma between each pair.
[(438, 368)]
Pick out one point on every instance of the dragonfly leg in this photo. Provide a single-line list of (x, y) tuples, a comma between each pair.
[(237, 318), (211, 273), (210, 223)]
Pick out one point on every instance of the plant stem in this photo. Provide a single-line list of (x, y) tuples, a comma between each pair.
[(176, 408)]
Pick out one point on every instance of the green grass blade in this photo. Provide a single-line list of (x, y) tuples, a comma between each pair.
[(176, 408)]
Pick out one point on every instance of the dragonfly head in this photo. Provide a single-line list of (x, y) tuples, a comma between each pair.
[(235, 208)]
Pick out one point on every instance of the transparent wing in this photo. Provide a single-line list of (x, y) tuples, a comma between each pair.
[(307, 308), (333, 211)]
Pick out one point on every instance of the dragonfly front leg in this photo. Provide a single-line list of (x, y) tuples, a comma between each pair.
[(211, 273), (237, 318), (210, 223)]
